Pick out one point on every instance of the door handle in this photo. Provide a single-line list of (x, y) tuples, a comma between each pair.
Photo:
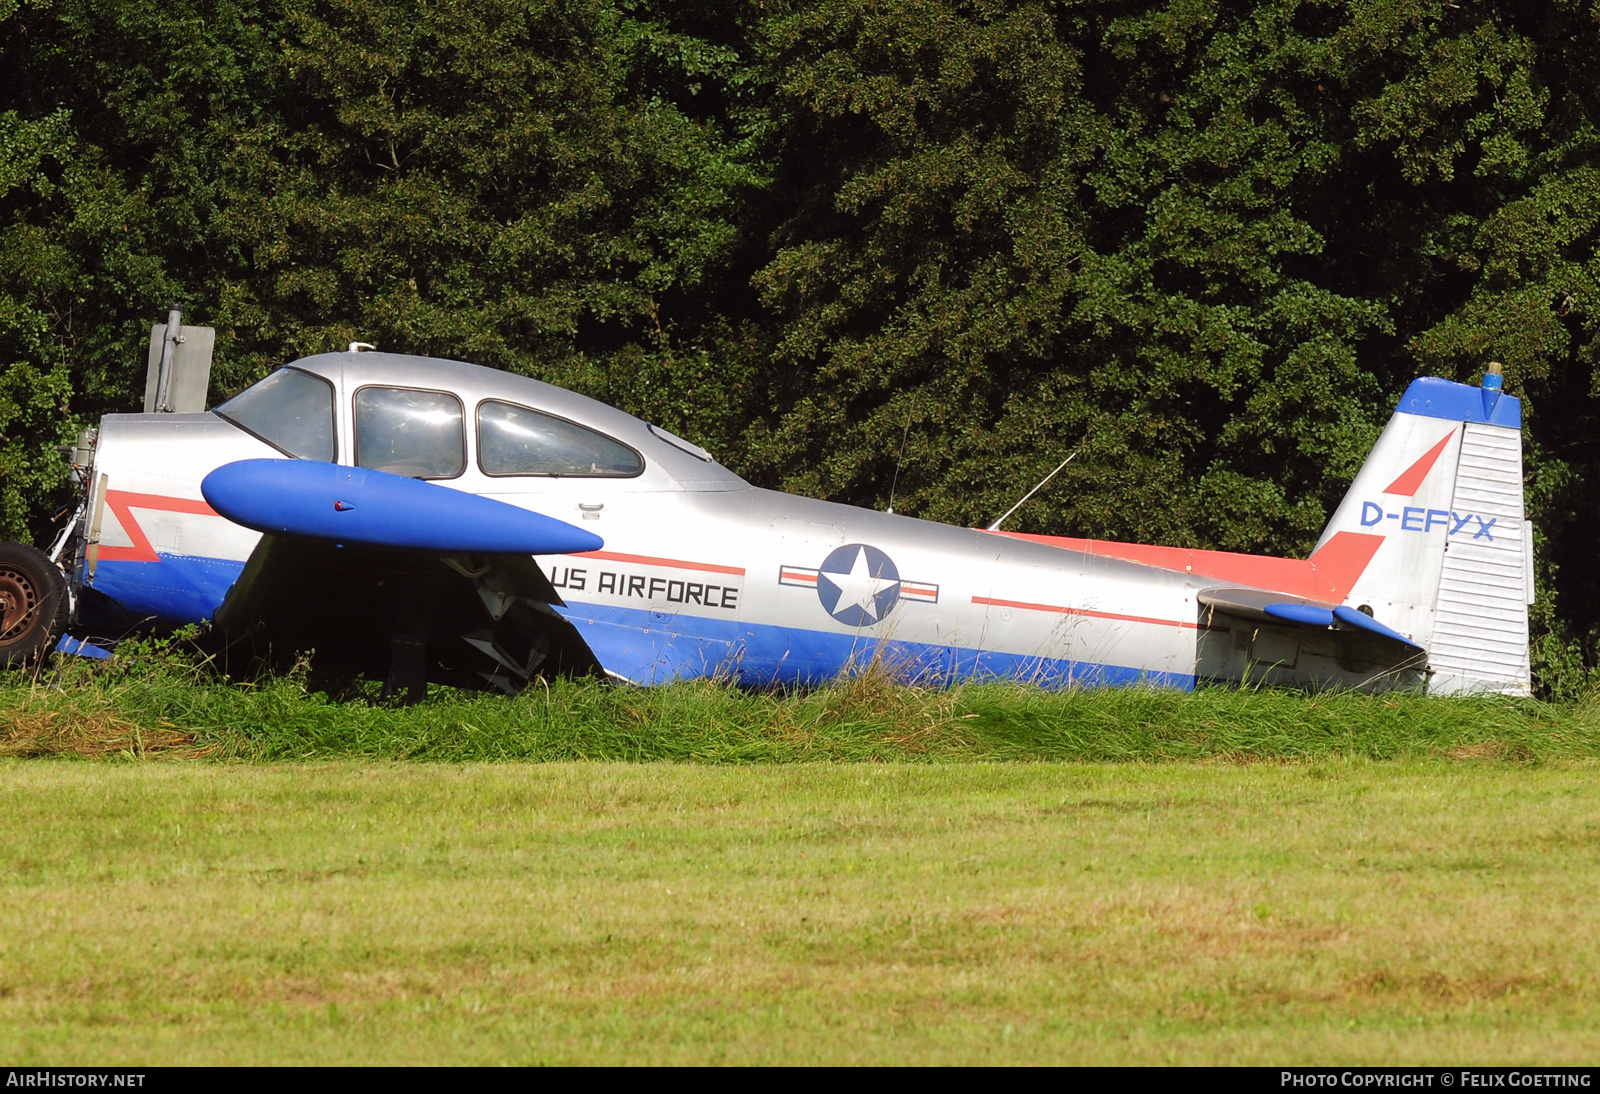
[(591, 510)]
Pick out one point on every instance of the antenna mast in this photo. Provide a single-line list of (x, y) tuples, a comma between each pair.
[(900, 459), (995, 527)]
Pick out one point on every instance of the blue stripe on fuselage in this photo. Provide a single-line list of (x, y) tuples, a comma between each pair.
[(653, 647), (649, 647), (178, 589)]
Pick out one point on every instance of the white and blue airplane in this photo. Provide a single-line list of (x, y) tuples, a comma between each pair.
[(427, 519)]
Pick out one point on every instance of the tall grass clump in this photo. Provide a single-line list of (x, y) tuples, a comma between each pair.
[(154, 699)]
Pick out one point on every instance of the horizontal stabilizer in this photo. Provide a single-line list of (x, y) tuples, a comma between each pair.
[(355, 505), (1269, 607), (1309, 615), (1350, 617)]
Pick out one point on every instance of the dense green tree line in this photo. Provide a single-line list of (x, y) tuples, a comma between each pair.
[(1204, 244)]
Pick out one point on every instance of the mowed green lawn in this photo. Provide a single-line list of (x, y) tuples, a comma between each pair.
[(353, 912)]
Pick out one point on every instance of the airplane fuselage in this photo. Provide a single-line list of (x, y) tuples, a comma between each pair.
[(700, 573)]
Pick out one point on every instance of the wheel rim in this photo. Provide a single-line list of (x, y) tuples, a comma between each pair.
[(19, 604)]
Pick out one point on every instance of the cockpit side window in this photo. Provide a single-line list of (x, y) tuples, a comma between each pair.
[(514, 440), (407, 431), (290, 410)]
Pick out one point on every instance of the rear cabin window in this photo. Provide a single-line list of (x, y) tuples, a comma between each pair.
[(513, 440), (406, 431), (290, 410)]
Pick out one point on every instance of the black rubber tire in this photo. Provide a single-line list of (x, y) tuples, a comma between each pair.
[(33, 604)]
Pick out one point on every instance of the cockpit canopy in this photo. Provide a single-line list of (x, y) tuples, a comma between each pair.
[(432, 419)]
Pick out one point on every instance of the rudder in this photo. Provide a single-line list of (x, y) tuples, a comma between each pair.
[(1441, 493)]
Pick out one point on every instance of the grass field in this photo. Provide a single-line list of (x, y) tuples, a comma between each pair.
[(256, 873), (161, 705), (1331, 912)]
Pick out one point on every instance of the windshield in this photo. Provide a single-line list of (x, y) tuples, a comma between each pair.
[(290, 410), (513, 440)]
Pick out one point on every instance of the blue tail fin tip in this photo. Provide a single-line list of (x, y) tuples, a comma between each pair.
[(1431, 397)]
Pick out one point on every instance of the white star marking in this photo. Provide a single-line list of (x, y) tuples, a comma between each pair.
[(859, 587)]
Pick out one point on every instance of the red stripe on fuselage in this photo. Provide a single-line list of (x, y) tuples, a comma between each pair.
[(122, 504), (1025, 606), (1327, 576), (672, 563)]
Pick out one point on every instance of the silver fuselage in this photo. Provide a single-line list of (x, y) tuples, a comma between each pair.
[(700, 574)]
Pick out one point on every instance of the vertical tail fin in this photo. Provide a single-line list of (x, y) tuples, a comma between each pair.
[(1442, 491)]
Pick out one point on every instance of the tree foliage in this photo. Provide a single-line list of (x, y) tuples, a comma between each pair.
[(1202, 244)]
